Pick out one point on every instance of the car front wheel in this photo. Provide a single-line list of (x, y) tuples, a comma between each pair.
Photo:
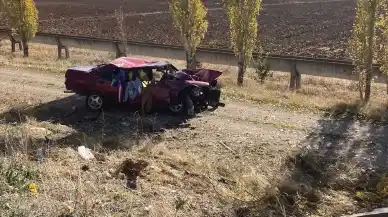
[(185, 106), (94, 102)]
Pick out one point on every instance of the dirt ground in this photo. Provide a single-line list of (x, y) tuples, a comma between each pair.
[(221, 163)]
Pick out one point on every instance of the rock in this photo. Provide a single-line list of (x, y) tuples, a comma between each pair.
[(148, 208), (85, 153), (107, 175)]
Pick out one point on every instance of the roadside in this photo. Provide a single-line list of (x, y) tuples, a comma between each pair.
[(219, 163), (312, 97)]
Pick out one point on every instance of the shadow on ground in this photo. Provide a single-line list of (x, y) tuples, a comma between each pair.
[(343, 153), (114, 129)]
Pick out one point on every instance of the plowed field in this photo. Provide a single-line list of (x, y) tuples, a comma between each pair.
[(315, 28)]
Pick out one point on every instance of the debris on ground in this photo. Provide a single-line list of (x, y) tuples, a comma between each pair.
[(85, 168), (40, 154), (99, 156), (375, 213), (32, 187), (132, 170), (85, 153)]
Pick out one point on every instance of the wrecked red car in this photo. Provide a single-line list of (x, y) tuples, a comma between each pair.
[(180, 91)]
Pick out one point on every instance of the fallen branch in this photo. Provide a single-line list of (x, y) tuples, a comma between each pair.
[(227, 147)]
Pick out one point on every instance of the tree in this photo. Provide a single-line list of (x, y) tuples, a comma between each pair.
[(363, 48), (189, 19), (119, 15), (23, 17), (242, 16), (382, 35)]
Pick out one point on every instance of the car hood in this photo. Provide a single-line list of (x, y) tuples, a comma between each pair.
[(206, 75), (83, 68)]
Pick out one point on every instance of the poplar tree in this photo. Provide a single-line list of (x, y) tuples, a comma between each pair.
[(189, 19), (23, 18), (363, 50), (243, 27)]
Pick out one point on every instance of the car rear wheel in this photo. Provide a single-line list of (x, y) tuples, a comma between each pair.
[(94, 102)]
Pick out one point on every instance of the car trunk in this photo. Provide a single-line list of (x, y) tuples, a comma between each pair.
[(77, 78)]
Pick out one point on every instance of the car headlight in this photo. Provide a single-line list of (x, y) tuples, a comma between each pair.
[(197, 92)]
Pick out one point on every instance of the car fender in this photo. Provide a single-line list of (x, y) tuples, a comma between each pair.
[(175, 95)]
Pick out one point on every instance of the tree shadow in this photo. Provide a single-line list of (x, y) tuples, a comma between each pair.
[(116, 128), (342, 153)]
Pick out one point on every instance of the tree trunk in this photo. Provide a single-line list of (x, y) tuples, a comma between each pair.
[(193, 64), (187, 59), (371, 28), (25, 46), (361, 86), (241, 69)]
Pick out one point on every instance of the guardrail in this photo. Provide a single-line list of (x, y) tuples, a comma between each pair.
[(296, 66)]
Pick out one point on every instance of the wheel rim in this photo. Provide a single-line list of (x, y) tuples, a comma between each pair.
[(176, 108), (95, 102)]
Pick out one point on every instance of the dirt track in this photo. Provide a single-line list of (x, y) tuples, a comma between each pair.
[(256, 133)]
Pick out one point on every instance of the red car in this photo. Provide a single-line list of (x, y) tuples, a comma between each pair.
[(181, 92)]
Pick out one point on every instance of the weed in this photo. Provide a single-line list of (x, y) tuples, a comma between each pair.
[(261, 67), (382, 186), (16, 175)]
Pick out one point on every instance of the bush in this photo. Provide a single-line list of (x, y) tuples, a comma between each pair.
[(261, 66)]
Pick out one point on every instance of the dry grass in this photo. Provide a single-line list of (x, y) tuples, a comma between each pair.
[(177, 182), (317, 94), (44, 57)]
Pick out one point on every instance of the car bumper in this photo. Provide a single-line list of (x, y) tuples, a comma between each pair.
[(214, 97)]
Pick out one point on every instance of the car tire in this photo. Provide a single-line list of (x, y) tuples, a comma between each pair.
[(188, 105), (184, 107), (94, 102)]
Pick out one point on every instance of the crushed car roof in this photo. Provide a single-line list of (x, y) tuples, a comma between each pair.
[(130, 62)]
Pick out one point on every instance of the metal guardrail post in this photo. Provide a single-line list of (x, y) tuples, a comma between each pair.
[(60, 47), (120, 53), (14, 42), (295, 79)]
